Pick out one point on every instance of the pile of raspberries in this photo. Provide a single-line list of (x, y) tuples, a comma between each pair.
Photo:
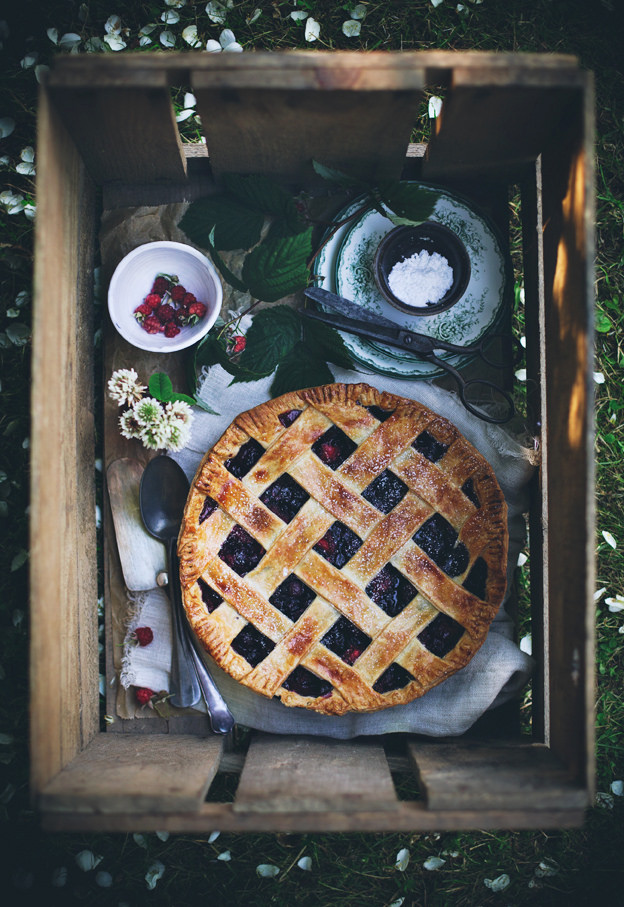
[(168, 307)]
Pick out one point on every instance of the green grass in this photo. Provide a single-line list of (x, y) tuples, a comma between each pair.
[(357, 868)]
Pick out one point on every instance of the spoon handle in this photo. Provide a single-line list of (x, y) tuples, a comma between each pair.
[(186, 690), (221, 719)]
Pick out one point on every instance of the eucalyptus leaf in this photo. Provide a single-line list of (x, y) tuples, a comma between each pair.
[(272, 335), (278, 266), (236, 225), (409, 202), (298, 370), (160, 387), (325, 342)]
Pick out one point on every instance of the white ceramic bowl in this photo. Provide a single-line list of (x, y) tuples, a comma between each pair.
[(133, 280)]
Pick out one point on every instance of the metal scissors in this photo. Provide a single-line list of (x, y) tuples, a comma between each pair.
[(352, 318)]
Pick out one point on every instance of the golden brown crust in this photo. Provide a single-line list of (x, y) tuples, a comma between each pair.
[(392, 654)]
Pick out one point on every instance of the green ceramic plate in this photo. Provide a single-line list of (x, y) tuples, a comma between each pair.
[(345, 266)]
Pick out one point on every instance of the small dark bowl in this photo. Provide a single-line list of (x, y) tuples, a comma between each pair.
[(405, 241)]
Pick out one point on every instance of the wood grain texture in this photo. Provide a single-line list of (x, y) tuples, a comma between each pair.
[(460, 776), (141, 774), (63, 647), (314, 774)]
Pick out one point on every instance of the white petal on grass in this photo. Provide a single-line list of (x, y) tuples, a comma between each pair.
[(254, 16), (145, 41), (312, 29), (26, 169), (148, 29), (358, 12), (398, 902), (434, 107), (40, 72), (436, 2), (298, 15), (546, 869), (599, 378), (94, 45), (498, 884), (141, 840), (167, 38), (112, 26), (615, 603), (59, 877), (29, 60), (225, 857), (189, 99), (305, 863), (216, 12), (213, 47), (162, 835), (87, 860), (177, 4), (402, 859), (7, 125), (599, 593), (521, 374), (522, 559), (154, 873), (213, 836), (184, 115), (170, 17), (115, 42), (267, 870), (103, 879), (30, 211), (70, 40), (609, 539), (233, 48), (351, 28), (5, 160), (433, 863), (617, 788), (53, 35), (226, 37), (604, 800), (526, 644), (189, 34)]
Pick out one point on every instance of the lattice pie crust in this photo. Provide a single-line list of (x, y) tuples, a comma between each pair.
[(342, 549)]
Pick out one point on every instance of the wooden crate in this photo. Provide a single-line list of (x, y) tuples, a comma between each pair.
[(106, 126)]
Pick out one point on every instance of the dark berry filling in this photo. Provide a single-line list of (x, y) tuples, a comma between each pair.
[(209, 507), (379, 413), (469, 490), (292, 597), (438, 540), (210, 598), (346, 640), (253, 645), (289, 416), (248, 455), (476, 581), (284, 497), (430, 447), (306, 683), (393, 678), (385, 491), (338, 545), (241, 551), (441, 635), (391, 590), (333, 447)]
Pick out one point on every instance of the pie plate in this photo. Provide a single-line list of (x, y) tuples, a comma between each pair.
[(345, 266)]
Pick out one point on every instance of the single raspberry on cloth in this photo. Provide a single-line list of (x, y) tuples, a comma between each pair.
[(144, 635), (144, 695)]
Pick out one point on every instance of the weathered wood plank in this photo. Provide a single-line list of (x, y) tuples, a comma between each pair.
[(460, 776), (313, 774), (119, 772)]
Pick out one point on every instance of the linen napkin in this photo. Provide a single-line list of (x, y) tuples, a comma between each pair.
[(497, 672)]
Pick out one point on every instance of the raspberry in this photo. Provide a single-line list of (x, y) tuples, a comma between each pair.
[(171, 329), (161, 285), (165, 313), (144, 695), (153, 325), (152, 301), (141, 311), (144, 635), (197, 308), (178, 293), (189, 299), (182, 316), (239, 343)]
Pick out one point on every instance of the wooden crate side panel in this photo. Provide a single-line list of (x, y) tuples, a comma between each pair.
[(64, 643), (117, 772), (314, 774), (280, 131), (569, 219)]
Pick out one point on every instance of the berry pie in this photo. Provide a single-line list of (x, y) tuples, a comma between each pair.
[(342, 549)]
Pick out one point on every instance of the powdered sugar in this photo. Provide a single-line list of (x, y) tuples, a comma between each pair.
[(422, 279)]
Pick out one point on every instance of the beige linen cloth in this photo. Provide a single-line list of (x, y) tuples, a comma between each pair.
[(497, 672)]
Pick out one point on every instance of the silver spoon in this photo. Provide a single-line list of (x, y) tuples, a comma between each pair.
[(162, 496)]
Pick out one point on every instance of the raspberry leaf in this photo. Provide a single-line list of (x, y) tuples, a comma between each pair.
[(325, 342), (258, 192), (408, 203), (300, 369), (160, 387), (272, 335), (211, 352), (236, 225), (278, 266), (232, 279)]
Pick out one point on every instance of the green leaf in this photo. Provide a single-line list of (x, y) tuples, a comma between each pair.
[(160, 387), (409, 203), (211, 352), (300, 369), (603, 323), (325, 342), (335, 176), (278, 266), (235, 225), (19, 560), (183, 398), (258, 192), (271, 336), (231, 278)]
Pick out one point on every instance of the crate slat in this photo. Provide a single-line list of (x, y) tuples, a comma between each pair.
[(143, 774), (458, 776), (314, 774)]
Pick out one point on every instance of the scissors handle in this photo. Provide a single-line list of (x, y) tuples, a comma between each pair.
[(497, 396)]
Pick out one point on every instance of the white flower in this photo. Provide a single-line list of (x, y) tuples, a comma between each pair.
[(170, 17), (526, 644), (189, 34), (181, 411), (154, 873), (177, 425), (402, 859), (312, 29), (609, 539), (351, 28), (267, 870), (148, 411), (305, 863), (498, 884), (7, 125), (167, 38), (112, 26), (435, 106), (228, 41), (615, 603), (216, 12), (124, 387), (213, 47), (358, 12), (115, 42), (87, 860), (617, 788)]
